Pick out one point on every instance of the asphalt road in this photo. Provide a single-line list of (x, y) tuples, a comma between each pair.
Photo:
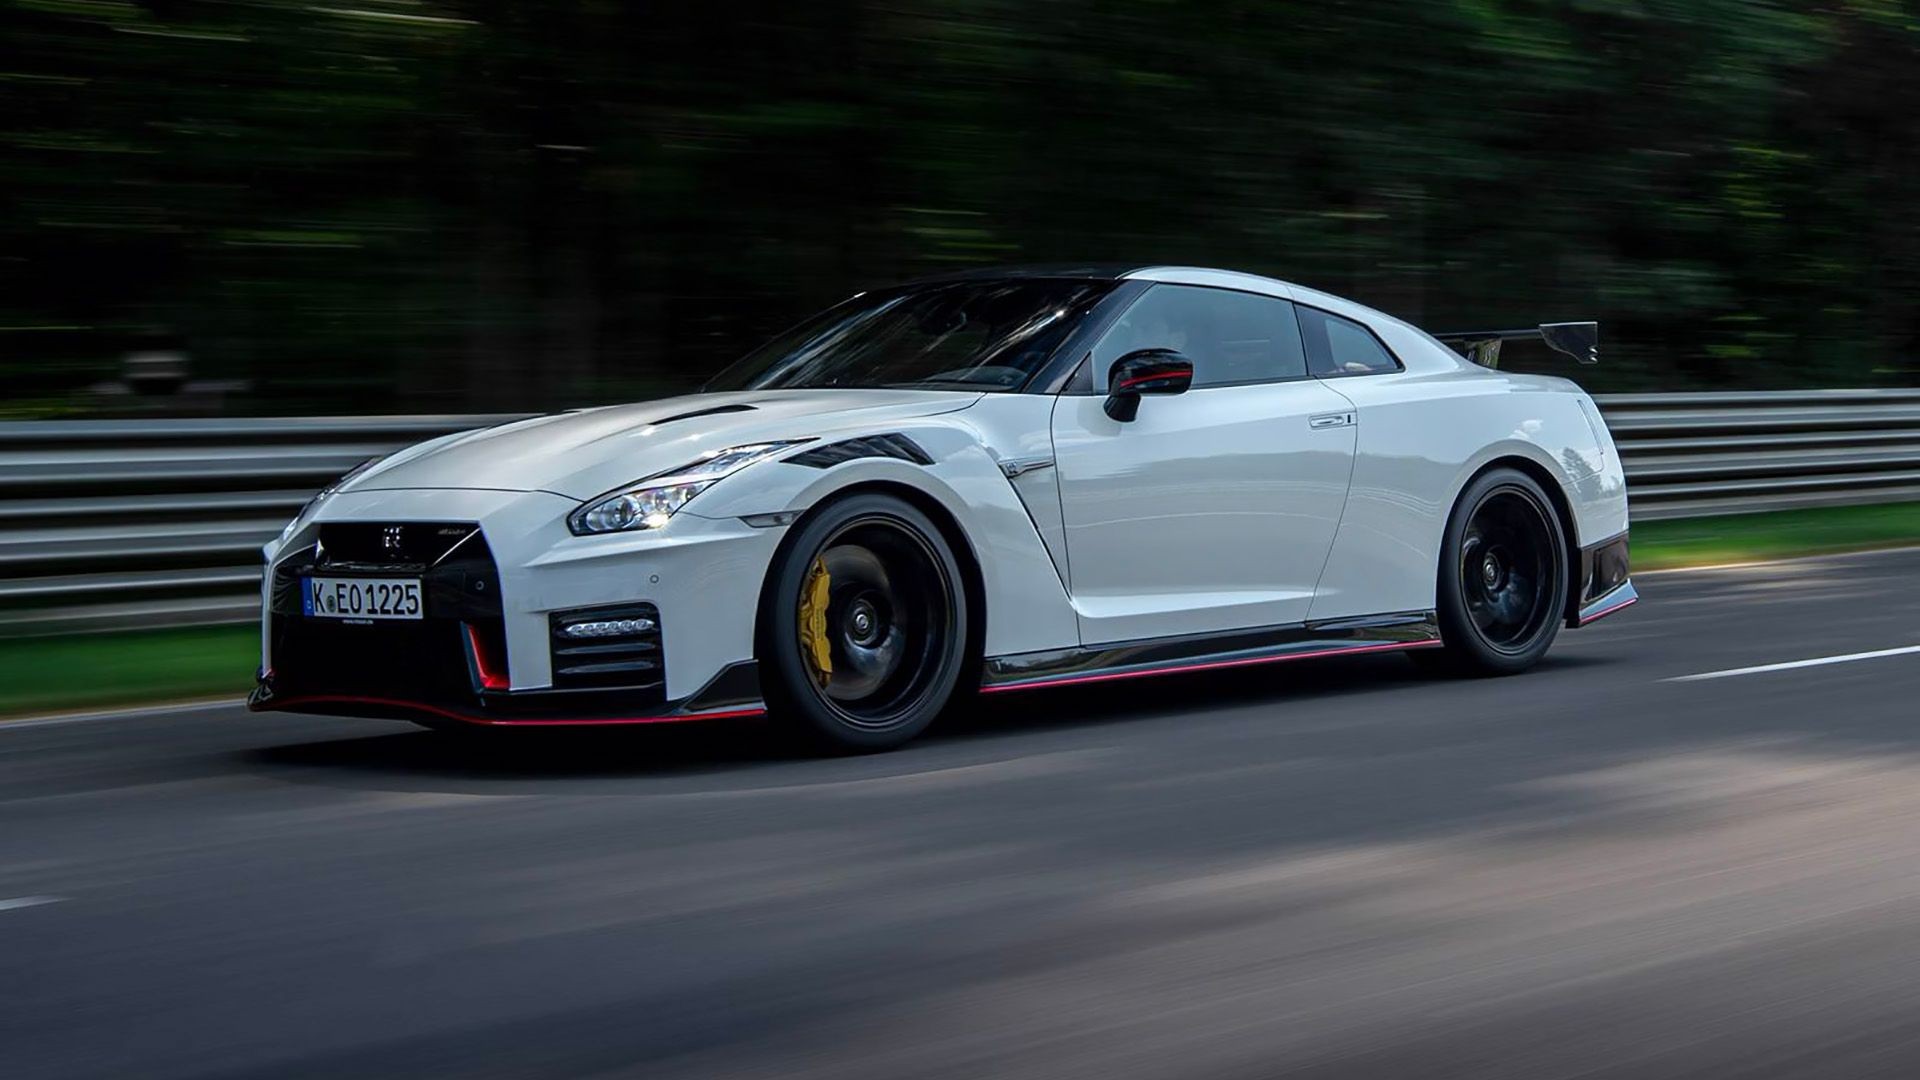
[(1337, 869)]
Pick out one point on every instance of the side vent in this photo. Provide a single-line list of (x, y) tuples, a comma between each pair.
[(891, 446), (607, 647)]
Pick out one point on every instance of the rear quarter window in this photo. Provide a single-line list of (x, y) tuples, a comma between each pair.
[(1338, 347)]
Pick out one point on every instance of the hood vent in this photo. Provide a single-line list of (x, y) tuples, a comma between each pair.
[(714, 411)]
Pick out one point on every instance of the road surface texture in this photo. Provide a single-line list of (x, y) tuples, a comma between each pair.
[(1327, 869)]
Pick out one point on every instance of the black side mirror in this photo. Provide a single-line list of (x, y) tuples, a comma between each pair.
[(1145, 371)]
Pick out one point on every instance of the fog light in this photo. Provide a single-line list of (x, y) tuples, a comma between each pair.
[(606, 628)]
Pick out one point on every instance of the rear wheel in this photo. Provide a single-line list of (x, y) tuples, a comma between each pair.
[(863, 627), (1503, 577)]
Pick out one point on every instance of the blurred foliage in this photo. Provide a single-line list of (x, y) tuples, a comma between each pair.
[(480, 204)]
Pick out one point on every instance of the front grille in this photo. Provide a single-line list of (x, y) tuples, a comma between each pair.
[(396, 544), (624, 650), (413, 661), (428, 659), (459, 582)]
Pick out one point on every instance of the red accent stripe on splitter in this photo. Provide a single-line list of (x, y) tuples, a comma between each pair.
[(1208, 665), (489, 721), (600, 721)]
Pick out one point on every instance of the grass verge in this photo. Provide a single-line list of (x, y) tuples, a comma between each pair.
[(1667, 545), (40, 675), (84, 671)]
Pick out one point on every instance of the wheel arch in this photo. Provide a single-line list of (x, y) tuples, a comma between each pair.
[(1562, 505), (973, 581)]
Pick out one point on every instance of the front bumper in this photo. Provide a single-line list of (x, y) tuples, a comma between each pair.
[(489, 648), (735, 692)]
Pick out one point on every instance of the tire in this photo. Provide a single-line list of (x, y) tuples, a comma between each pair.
[(1502, 585), (869, 582)]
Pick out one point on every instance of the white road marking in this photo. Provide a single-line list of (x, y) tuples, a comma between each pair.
[(28, 901), (1817, 661)]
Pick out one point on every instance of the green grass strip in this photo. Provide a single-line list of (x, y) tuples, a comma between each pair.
[(82, 671), (1664, 545)]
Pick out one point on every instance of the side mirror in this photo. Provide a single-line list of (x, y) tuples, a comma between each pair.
[(1145, 371)]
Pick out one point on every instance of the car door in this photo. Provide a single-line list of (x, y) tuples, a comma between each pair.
[(1210, 510)]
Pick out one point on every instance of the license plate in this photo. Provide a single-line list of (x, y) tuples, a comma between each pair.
[(361, 598)]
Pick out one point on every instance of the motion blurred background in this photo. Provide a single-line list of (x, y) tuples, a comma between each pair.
[(246, 245), (466, 206), (218, 211)]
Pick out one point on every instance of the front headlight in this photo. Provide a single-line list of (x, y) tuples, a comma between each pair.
[(649, 503)]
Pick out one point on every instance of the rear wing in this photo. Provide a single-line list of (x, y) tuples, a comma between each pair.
[(1580, 340)]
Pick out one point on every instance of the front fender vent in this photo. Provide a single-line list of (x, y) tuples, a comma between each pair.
[(891, 446)]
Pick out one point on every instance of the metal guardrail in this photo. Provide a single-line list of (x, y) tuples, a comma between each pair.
[(1697, 455), (111, 524), (107, 524)]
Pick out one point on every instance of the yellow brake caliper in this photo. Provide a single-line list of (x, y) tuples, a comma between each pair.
[(813, 621)]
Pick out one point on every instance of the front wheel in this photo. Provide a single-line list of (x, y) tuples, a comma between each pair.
[(1503, 577), (863, 625)]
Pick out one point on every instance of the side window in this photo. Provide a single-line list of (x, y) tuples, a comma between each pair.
[(1231, 337), (1337, 346)]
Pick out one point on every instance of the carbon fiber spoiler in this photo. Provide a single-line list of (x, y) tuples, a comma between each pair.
[(1580, 340)]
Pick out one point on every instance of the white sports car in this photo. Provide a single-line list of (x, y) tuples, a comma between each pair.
[(978, 484)]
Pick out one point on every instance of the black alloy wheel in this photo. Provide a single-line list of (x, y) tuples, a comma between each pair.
[(1502, 589), (863, 627)]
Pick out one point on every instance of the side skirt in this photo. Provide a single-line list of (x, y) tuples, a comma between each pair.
[(1206, 652)]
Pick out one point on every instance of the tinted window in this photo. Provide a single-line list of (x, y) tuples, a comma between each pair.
[(973, 335), (1231, 337), (1338, 346)]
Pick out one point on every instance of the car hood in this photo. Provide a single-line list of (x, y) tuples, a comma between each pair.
[(584, 453)]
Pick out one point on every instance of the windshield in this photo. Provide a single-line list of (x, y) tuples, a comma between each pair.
[(971, 335)]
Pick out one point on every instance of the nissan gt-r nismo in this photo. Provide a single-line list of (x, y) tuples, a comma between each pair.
[(980, 484)]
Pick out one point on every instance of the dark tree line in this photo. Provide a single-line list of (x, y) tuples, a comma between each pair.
[(370, 205)]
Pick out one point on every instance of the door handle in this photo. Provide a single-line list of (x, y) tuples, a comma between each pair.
[(1332, 420)]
